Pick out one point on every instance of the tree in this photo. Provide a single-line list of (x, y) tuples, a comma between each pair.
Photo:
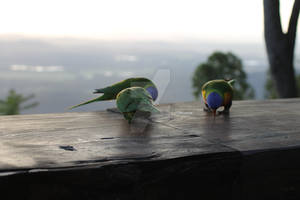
[(270, 91), (12, 104), (223, 66), (280, 47)]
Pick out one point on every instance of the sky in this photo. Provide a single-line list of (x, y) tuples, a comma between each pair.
[(213, 20)]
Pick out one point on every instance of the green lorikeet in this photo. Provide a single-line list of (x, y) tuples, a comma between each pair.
[(217, 93), (111, 92), (133, 99)]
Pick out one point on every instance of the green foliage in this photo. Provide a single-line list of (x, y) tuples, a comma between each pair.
[(227, 66), (270, 90), (12, 104)]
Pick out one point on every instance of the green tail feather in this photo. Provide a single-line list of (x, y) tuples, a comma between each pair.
[(87, 102), (97, 91)]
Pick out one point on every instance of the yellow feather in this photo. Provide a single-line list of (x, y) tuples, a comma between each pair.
[(203, 95)]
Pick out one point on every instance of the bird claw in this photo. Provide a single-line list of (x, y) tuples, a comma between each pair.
[(224, 112), (113, 110), (207, 110)]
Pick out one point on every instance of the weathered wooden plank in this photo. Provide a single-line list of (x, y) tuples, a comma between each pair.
[(73, 139), (250, 154), (29, 141), (251, 125)]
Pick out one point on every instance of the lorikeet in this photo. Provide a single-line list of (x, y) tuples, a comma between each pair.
[(217, 93), (111, 92), (133, 99)]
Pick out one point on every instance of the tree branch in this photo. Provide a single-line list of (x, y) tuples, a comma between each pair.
[(293, 23), (272, 20)]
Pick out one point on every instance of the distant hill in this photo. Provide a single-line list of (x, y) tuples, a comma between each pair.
[(63, 72)]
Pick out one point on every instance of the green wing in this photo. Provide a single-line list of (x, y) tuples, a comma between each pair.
[(111, 92), (114, 89), (220, 86), (118, 87), (134, 99)]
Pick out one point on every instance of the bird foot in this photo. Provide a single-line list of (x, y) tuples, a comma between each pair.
[(207, 110), (224, 112), (113, 110)]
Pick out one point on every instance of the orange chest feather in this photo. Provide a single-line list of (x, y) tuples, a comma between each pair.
[(227, 98)]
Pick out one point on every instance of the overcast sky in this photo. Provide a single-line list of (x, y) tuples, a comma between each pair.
[(212, 20)]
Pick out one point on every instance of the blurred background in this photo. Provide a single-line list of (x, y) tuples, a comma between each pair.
[(53, 54)]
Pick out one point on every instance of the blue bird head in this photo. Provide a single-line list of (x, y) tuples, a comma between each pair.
[(214, 100), (153, 92)]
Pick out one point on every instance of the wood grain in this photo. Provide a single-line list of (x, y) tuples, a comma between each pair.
[(233, 155)]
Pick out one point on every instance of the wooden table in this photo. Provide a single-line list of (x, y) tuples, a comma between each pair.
[(182, 153)]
